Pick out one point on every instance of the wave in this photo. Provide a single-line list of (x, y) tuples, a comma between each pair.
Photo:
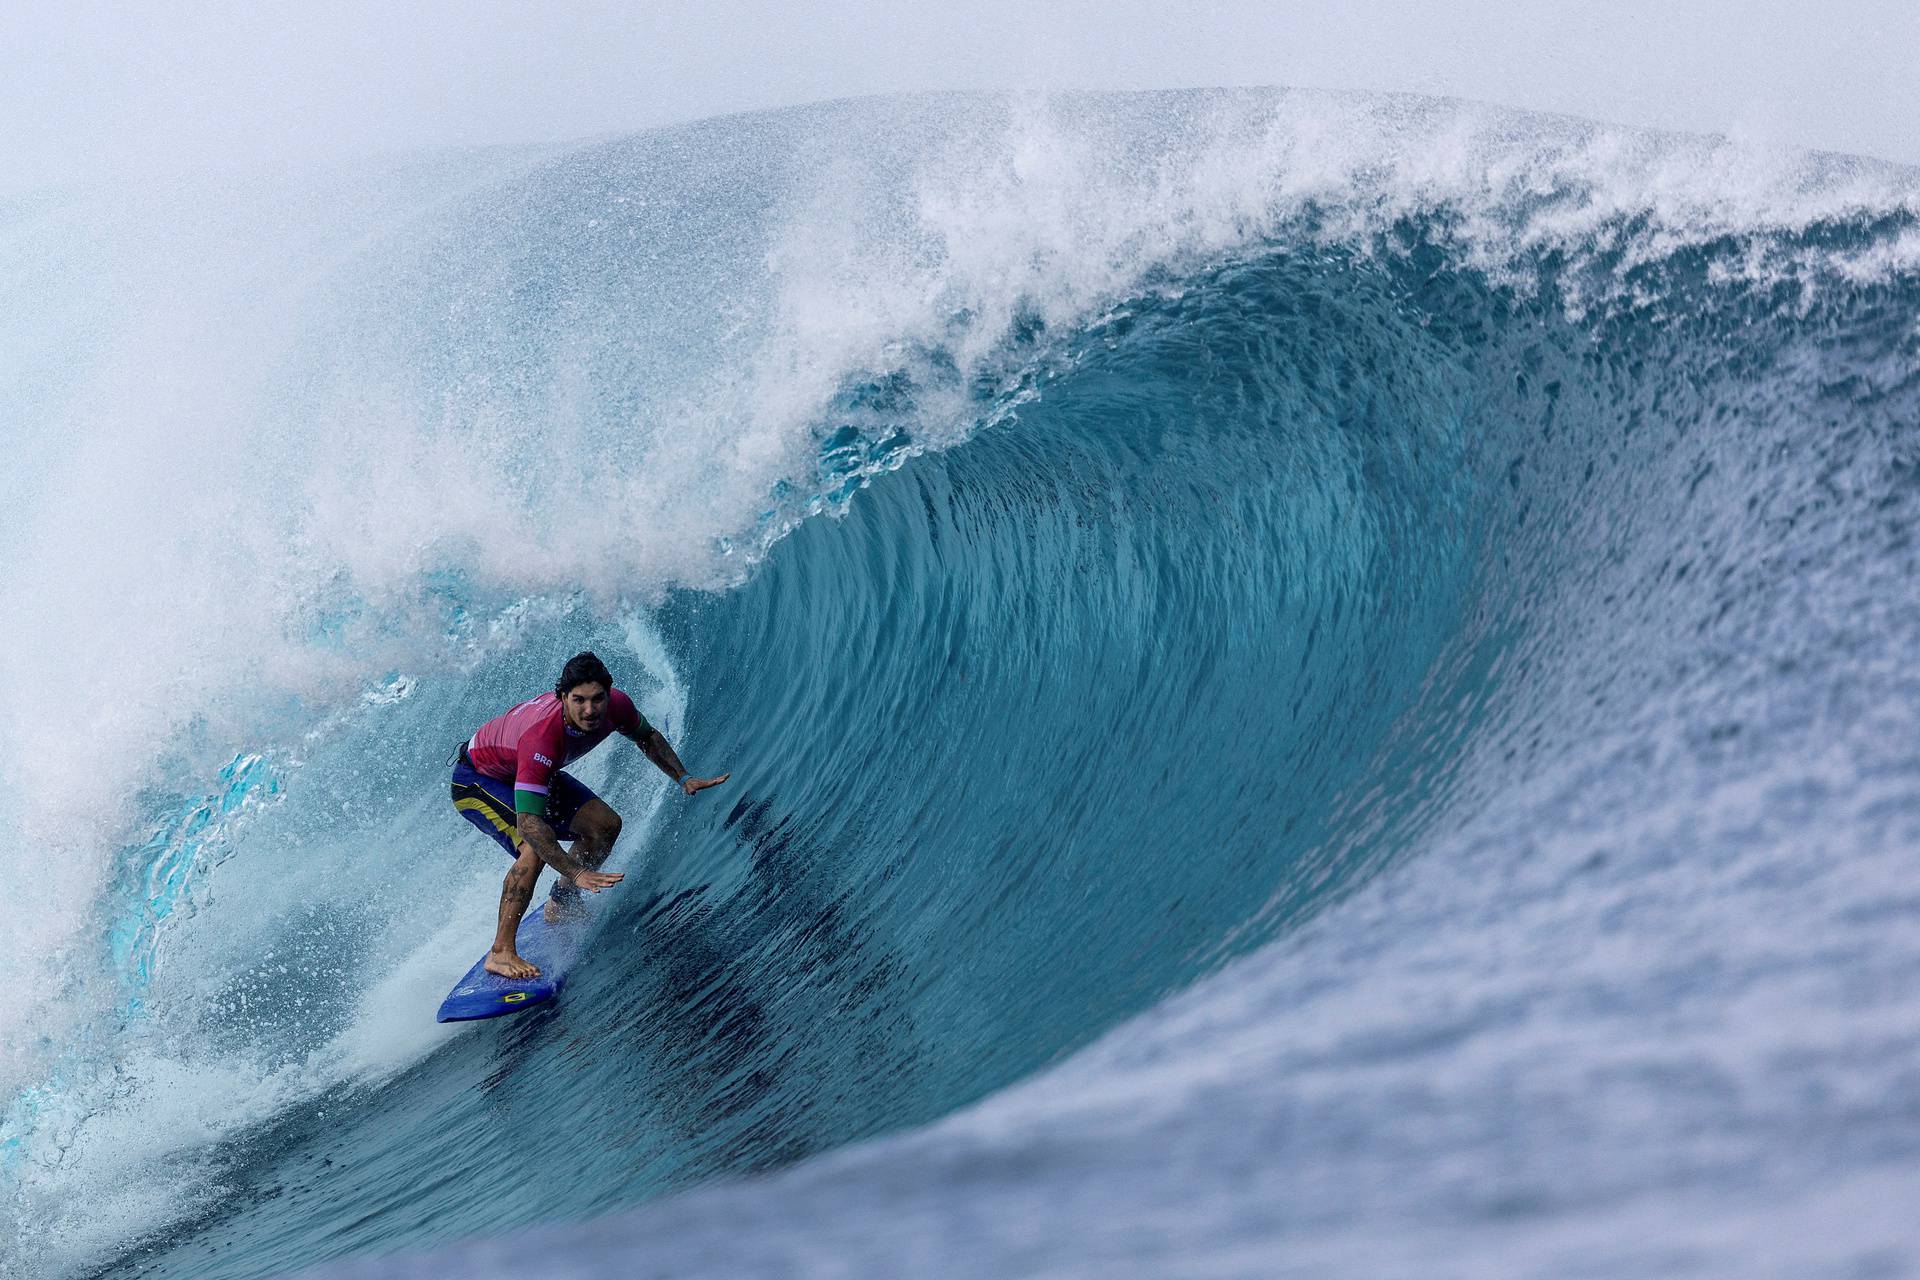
[(1101, 535)]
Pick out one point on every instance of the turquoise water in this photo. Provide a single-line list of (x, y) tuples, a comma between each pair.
[(1308, 681)]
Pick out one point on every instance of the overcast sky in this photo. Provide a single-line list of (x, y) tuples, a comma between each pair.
[(87, 88)]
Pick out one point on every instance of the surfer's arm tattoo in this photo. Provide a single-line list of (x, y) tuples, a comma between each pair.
[(537, 834), (658, 750)]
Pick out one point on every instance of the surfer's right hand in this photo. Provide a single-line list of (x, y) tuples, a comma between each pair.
[(595, 881)]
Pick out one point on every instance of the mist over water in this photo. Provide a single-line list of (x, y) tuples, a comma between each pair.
[(1310, 680)]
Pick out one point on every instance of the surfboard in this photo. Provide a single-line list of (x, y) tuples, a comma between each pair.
[(554, 948)]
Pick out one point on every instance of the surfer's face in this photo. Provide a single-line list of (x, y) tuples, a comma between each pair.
[(585, 706)]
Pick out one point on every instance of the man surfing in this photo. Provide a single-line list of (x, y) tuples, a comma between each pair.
[(507, 781)]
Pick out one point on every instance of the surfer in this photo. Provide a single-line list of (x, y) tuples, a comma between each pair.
[(507, 781)]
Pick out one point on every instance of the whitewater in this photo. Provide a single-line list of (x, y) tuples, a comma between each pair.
[(1315, 685)]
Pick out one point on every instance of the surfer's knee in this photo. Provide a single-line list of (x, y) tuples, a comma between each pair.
[(598, 820)]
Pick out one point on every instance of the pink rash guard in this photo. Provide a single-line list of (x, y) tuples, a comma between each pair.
[(529, 743)]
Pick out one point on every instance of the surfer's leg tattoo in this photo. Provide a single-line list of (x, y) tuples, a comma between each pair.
[(515, 893)]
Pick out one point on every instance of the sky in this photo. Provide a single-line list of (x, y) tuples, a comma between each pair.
[(88, 88)]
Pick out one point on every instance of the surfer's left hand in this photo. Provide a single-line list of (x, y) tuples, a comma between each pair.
[(691, 784)]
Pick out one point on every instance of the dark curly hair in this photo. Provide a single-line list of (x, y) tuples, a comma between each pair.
[(582, 668)]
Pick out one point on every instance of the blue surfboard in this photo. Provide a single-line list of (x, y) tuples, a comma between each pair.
[(554, 948)]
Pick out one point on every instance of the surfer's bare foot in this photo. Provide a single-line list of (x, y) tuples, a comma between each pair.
[(508, 965)]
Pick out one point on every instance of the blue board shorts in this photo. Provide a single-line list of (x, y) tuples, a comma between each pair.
[(488, 803)]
